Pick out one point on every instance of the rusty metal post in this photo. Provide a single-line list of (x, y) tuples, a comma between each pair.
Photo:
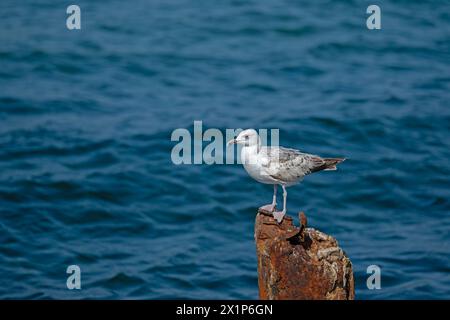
[(300, 262)]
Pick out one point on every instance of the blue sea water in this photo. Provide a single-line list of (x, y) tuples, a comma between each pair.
[(86, 117)]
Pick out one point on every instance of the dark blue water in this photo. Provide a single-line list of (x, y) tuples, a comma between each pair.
[(86, 116)]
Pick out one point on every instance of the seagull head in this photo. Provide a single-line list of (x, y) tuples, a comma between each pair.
[(247, 138)]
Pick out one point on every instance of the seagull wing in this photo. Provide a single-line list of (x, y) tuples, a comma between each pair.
[(290, 165)]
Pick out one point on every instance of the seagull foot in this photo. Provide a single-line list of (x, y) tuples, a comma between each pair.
[(279, 215), (268, 208)]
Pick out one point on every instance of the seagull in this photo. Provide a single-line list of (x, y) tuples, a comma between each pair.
[(278, 166)]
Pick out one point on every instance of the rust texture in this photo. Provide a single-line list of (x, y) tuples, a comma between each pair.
[(300, 262)]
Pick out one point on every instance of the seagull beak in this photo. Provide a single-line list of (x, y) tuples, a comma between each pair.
[(232, 141)]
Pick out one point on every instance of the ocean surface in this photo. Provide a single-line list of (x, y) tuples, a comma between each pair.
[(86, 118)]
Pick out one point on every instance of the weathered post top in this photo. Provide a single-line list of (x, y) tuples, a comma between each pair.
[(300, 262)]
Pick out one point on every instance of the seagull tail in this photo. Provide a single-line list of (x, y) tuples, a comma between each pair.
[(330, 163)]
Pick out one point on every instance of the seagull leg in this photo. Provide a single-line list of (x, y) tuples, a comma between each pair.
[(278, 215), (271, 207)]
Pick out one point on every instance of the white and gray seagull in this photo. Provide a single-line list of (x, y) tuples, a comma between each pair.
[(278, 166)]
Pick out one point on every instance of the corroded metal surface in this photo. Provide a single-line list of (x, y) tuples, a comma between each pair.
[(300, 262)]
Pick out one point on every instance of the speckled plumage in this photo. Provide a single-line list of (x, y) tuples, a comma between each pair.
[(290, 166)]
